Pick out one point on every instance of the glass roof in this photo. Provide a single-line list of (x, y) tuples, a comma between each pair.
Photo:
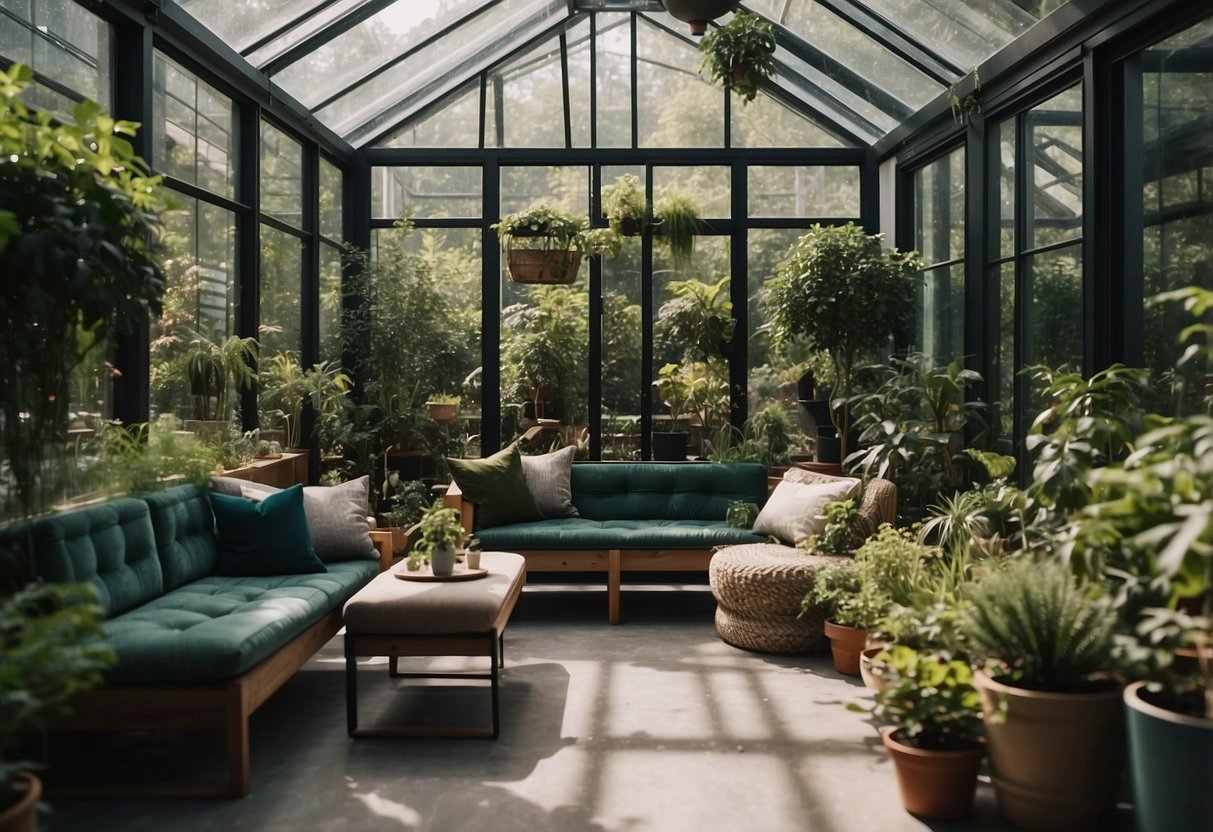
[(367, 68)]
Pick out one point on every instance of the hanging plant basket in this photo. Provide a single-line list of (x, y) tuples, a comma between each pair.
[(532, 265)]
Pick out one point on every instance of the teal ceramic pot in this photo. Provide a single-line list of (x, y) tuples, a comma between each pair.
[(1171, 764)]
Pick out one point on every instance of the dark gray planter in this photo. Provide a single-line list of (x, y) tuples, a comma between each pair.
[(670, 447)]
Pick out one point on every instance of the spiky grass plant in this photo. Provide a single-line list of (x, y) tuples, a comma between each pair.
[(1047, 632)]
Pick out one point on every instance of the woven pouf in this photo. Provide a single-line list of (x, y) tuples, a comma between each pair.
[(758, 589)]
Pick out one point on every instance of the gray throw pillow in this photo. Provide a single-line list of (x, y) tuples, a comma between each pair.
[(549, 478), (336, 516)]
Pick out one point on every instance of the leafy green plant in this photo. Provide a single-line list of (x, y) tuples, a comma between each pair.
[(79, 232), (914, 428), (540, 347), (285, 387), (929, 697), (677, 224), (835, 591), (843, 293), (835, 536), (887, 570), (1042, 629), (741, 514), (543, 226), (440, 528), (210, 366), (409, 501), (625, 205), (146, 457), (50, 639), (740, 54)]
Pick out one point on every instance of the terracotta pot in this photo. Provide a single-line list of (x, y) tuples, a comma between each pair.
[(870, 679), (22, 816), (846, 643), (1171, 763), (1056, 759), (934, 785), (443, 411), (739, 71), (530, 265)]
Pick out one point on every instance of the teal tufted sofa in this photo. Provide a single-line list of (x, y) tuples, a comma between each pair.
[(194, 649), (634, 517)]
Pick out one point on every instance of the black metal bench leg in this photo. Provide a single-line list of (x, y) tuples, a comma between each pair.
[(495, 674), (351, 686)]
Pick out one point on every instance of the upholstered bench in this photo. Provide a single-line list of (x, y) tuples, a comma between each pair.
[(403, 618)]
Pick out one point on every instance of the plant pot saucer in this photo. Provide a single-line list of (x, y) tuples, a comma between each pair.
[(427, 574)]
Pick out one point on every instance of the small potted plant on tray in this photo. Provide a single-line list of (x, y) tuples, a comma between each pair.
[(441, 533)]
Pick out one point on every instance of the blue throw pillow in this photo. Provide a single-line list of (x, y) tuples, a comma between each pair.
[(266, 538)]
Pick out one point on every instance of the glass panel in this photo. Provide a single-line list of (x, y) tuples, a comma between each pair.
[(941, 314), (331, 186), (281, 176), (455, 124), (349, 56), (1055, 318), (1002, 352), (281, 282), (200, 266), (330, 303), (825, 93), (192, 138), (804, 191), (64, 42), (1177, 201), (426, 192), (530, 95), (708, 374), (427, 75), (1006, 187), (939, 209), (853, 48), (676, 106), (773, 373), (621, 353), (579, 83), (765, 122), (964, 33), (1055, 133), (614, 102), (303, 30), (239, 23), (707, 187)]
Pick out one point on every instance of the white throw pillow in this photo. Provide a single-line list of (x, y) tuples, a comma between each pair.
[(549, 477), (796, 510), (336, 517)]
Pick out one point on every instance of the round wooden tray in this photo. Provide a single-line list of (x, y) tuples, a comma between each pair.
[(425, 574)]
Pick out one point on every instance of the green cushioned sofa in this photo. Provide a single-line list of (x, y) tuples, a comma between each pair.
[(194, 649), (634, 516)]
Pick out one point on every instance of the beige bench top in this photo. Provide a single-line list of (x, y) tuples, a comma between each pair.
[(391, 606)]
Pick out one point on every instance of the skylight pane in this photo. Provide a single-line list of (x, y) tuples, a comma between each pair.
[(530, 89), (425, 76), (614, 65), (765, 122), (239, 23), (676, 106), (369, 45), (303, 29), (854, 50), (966, 33), (455, 124)]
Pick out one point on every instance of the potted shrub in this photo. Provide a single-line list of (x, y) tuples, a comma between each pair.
[(857, 594), (674, 391), (407, 501), (847, 295), (677, 224), (1054, 726), (542, 244), (625, 206), (740, 54), (210, 366), (541, 342), (440, 532), (443, 408), (934, 739), (50, 640)]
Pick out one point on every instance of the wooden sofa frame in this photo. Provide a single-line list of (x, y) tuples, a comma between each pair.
[(223, 706)]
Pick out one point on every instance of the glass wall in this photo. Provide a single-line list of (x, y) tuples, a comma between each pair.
[(67, 47), (1176, 199), (193, 145), (938, 210)]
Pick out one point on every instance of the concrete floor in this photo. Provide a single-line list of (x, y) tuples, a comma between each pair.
[(655, 724)]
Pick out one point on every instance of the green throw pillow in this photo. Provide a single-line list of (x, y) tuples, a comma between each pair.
[(497, 486), (266, 538)]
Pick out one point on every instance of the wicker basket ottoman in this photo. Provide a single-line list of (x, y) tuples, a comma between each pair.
[(758, 589)]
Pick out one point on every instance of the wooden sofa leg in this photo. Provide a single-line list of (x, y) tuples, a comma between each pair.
[(238, 782), (614, 580)]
